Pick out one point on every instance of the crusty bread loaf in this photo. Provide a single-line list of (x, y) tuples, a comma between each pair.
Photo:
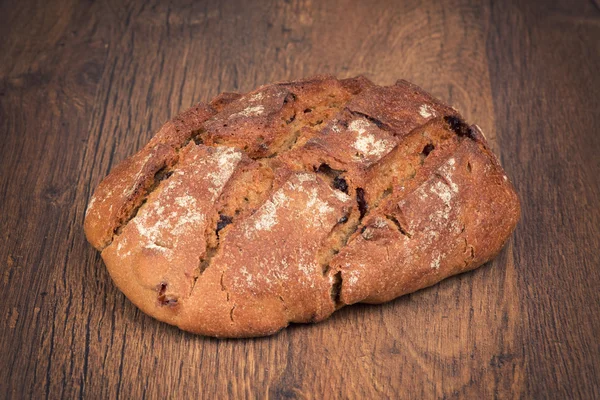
[(291, 201)]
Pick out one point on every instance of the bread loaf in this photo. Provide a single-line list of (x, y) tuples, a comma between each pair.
[(286, 203)]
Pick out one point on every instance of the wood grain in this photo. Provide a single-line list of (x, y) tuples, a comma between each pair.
[(85, 84)]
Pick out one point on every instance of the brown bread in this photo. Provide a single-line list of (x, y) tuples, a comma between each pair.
[(286, 203)]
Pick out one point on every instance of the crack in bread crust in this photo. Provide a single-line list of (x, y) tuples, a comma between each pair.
[(378, 145), (238, 200)]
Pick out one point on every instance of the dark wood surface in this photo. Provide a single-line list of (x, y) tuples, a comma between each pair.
[(85, 84)]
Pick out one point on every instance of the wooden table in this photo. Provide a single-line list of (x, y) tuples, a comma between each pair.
[(85, 84)]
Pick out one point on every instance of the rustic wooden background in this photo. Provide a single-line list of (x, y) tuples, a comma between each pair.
[(83, 84)]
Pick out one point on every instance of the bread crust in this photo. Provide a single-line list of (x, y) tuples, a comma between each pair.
[(286, 203)]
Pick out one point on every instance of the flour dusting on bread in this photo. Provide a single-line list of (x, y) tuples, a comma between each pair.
[(366, 143)]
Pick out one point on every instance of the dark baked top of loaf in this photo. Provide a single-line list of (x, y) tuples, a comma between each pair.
[(283, 204)]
